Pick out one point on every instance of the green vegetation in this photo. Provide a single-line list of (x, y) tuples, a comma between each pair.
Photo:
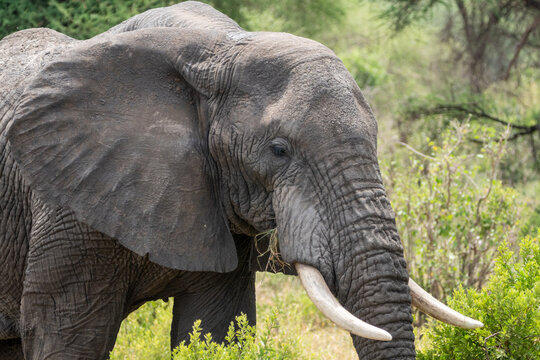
[(509, 307), (455, 85), (288, 327), (84, 19), (241, 343), (451, 210), (79, 19)]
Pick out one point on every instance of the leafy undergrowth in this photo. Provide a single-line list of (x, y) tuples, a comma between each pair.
[(241, 343), (509, 307)]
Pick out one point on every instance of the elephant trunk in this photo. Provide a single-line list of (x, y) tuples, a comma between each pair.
[(371, 276), (378, 294), (353, 241), (370, 279)]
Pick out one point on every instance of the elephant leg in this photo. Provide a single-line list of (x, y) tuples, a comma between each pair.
[(216, 307), (216, 300), (74, 291), (70, 325), (11, 350)]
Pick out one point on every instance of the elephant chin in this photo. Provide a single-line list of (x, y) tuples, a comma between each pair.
[(322, 297)]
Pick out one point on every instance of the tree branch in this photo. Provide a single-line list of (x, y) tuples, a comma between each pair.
[(514, 136), (465, 17), (529, 131), (442, 109), (479, 113), (520, 45)]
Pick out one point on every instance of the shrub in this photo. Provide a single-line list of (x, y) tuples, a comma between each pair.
[(509, 307), (145, 335), (451, 211), (288, 323), (79, 19), (241, 343)]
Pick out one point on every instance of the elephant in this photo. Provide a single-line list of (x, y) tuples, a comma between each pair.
[(142, 163)]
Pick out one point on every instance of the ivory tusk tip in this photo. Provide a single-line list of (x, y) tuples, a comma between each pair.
[(480, 324), (378, 334), (473, 324)]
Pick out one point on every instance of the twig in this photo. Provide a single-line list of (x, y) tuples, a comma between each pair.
[(416, 151), (485, 343), (275, 264)]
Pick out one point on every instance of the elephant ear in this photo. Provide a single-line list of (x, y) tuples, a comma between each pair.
[(115, 131)]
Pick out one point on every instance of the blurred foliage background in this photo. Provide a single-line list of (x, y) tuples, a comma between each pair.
[(455, 85)]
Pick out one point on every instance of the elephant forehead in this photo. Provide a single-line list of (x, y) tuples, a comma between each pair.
[(265, 62), (322, 98), (299, 86)]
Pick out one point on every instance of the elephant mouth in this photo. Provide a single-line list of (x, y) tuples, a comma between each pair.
[(319, 293)]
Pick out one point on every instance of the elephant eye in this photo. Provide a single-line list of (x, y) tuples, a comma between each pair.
[(278, 148)]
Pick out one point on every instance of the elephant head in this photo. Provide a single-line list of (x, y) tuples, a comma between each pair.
[(169, 132)]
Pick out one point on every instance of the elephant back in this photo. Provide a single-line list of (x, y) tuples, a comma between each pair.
[(186, 15)]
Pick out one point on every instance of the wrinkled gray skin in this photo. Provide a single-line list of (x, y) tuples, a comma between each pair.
[(139, 165)]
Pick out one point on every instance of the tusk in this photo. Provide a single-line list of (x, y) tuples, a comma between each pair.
[(323, 299), (433, 307)]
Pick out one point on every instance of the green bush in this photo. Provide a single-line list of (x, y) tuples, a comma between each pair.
[(452, 212), (145, 335), (79, 19), (509, 307), (241, 343)]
